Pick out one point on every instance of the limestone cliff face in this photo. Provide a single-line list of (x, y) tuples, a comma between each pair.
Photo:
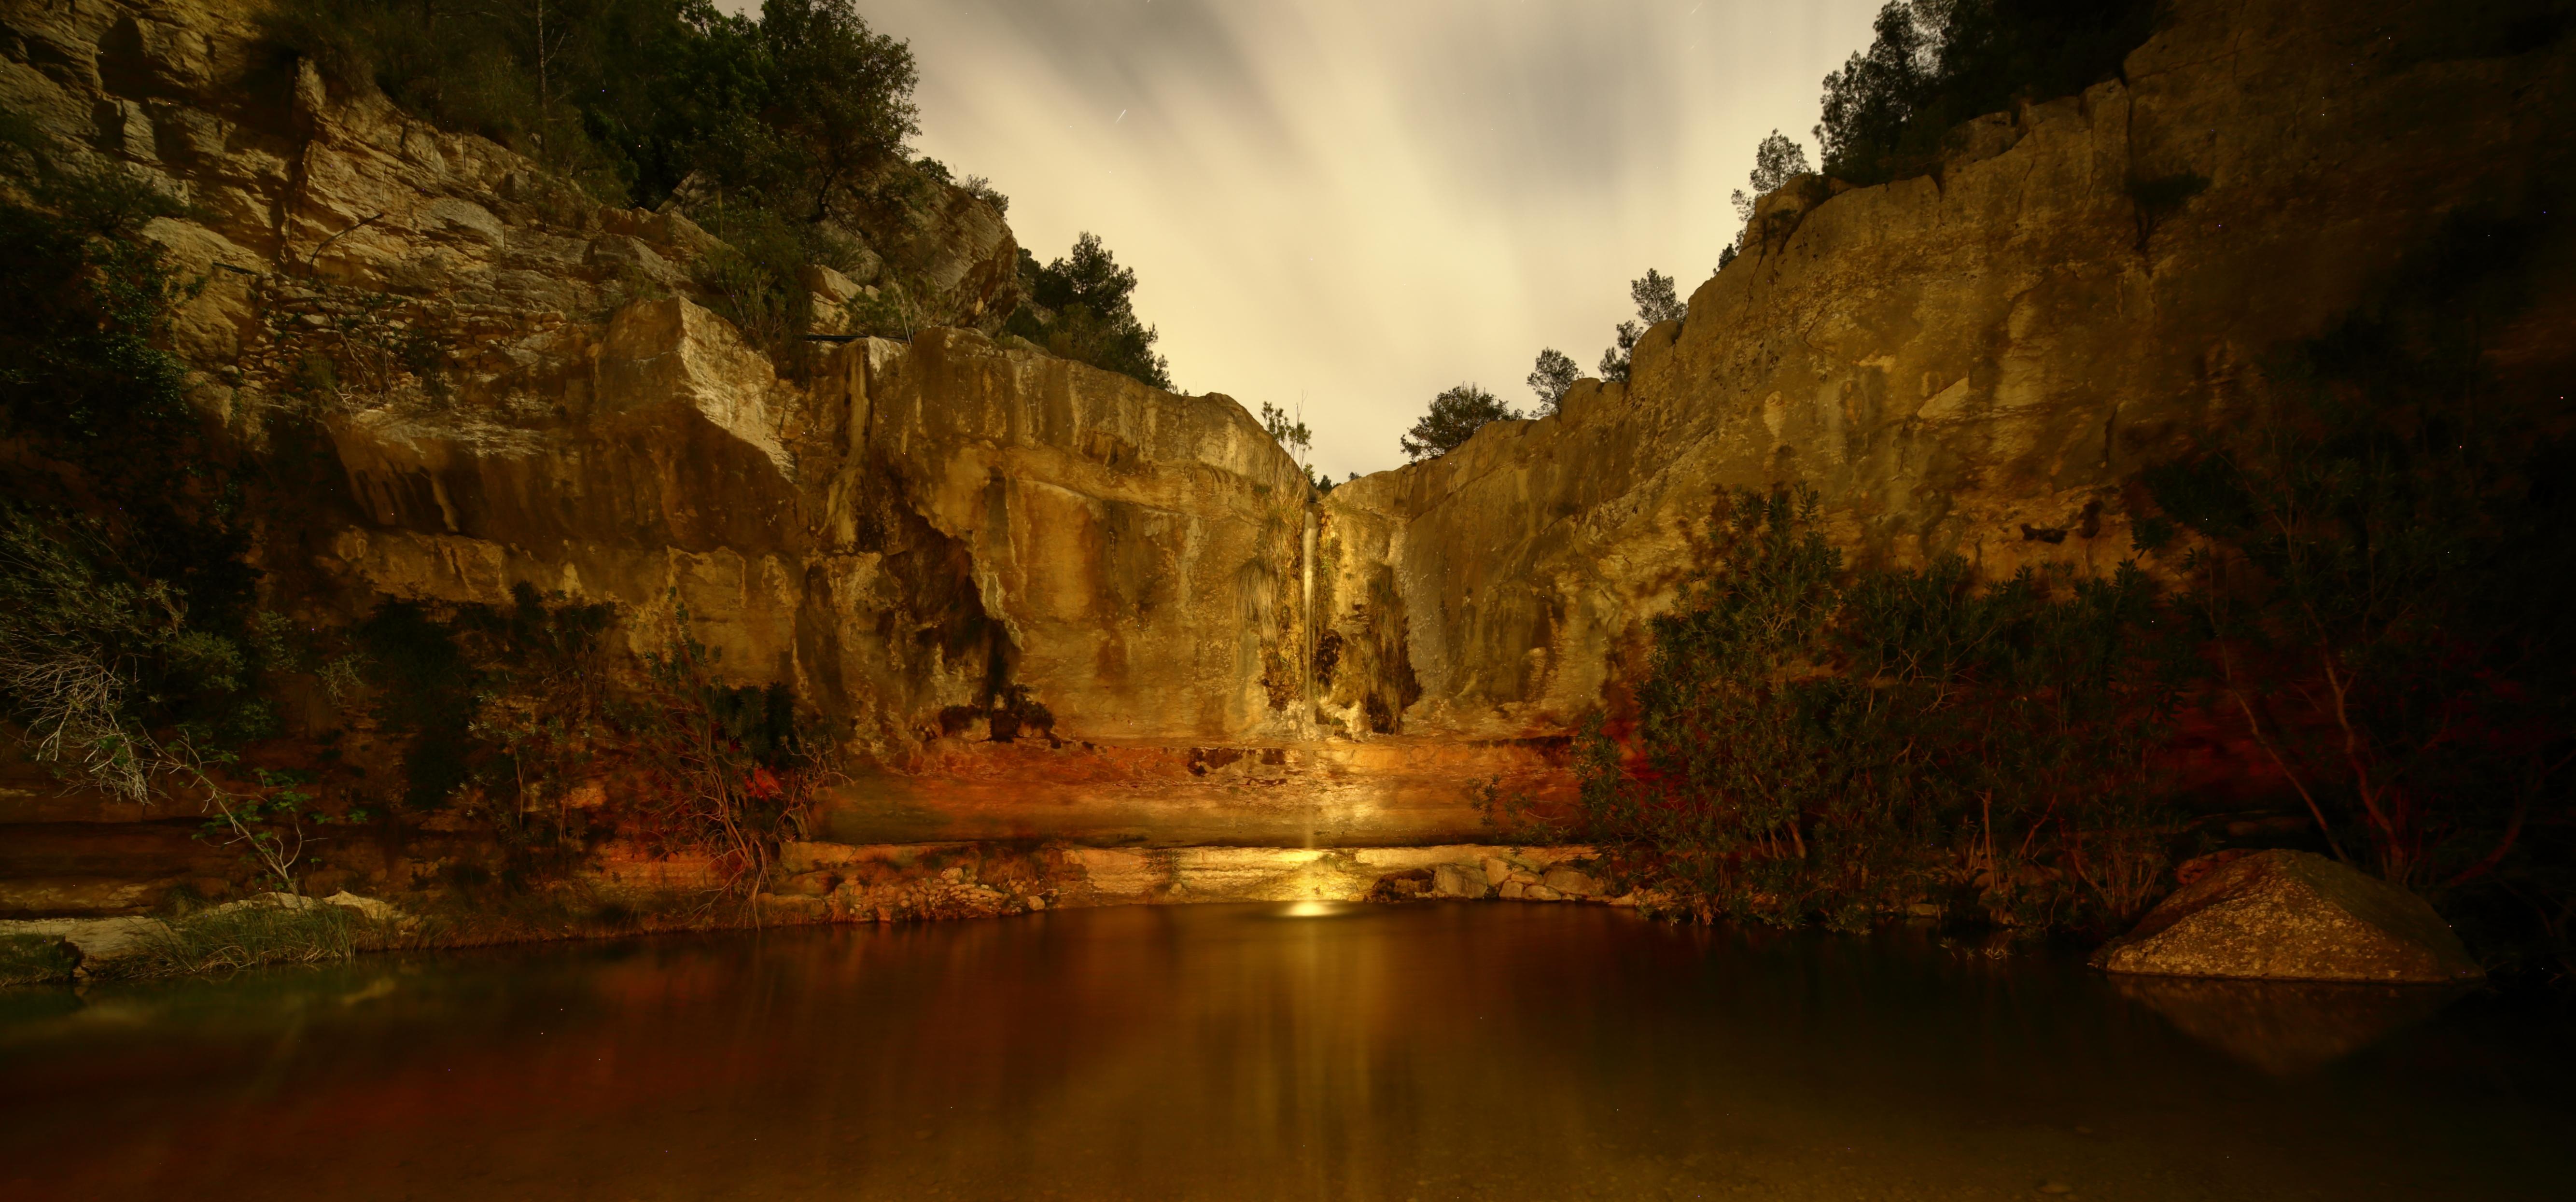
[(1043, 600), (1967, 362), (503, 381)]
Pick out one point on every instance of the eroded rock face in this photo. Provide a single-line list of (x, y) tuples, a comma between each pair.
[(1970, 362), (2292, 916), (509, 383)]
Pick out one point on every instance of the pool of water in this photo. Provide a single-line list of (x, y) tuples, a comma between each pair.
[(1434, 1051)]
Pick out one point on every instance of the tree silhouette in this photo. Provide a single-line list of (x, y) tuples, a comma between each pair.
[(1456, 415), (1554, 373)]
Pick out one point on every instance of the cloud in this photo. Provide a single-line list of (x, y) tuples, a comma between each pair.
[(1361, 202)]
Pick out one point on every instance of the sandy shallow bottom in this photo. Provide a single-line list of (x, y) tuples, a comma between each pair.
[(1314, 1051)]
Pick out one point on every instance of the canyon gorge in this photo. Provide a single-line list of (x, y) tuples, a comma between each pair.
[(1100, 641)]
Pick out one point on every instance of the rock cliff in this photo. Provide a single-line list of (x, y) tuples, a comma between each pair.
[(1041, 600), (1972, 361)]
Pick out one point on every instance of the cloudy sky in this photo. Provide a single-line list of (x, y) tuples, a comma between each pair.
[(1358, 203)]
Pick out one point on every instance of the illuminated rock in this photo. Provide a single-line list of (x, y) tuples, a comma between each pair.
[(2292, 916)]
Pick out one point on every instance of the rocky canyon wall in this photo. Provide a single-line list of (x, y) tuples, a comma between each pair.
[(1969, 362), (1042, 601)]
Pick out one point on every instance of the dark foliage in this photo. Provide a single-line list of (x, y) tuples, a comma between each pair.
[(755, 279), (507, 700), (1657, 301), (1456, 414), (1813, 743), (1550, 377), (779, 134), (799, 110), (426, 693), (730, 770), (1082, 307), (1776, 161), (123, 529), (1936, 63), (2384, 561), (1294, 437), (507, 710)]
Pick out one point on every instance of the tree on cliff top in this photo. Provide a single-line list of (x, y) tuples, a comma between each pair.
[(1294, 436), (839, 98), (1776, 161), (1936, 63), (805, 109), (1550, 377), (1657, 301), (782, 135), (1456, 414), (1082, 307)]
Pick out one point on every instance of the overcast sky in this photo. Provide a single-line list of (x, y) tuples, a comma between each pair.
[(1361, 202)]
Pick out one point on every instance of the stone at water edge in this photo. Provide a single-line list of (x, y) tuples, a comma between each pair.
[(90, 938), (1570, 882), (2292, 916), (371, 908), (1458, 880)]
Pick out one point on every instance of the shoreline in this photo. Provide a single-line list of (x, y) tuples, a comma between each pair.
[(813, 884)]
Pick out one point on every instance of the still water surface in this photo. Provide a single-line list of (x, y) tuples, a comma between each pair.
[(1439, 1051)]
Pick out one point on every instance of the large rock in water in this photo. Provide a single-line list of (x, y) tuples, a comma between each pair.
[(2292, 916)]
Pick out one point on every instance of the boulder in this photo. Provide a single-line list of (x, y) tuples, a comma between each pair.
[(90, 938), (2292, 916), (1570, 882), (369, 908), (1458, 880)]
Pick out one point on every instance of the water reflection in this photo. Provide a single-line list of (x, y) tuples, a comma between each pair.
[(2289, 1027), (1484, 1051)]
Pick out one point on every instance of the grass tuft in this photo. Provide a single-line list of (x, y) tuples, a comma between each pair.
[(247, 936), (34, 960)]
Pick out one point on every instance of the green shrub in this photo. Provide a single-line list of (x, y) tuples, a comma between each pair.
[(125, 598), (732, 770), (1813, 743), (1656, 301), (756, 280), (890, 313), (797, 110), (34, 960), (504, 700), (1082, 307), (1454, 417), (772, 132)]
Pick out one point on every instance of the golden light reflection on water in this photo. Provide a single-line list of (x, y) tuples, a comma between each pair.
[(1478, 1051)]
